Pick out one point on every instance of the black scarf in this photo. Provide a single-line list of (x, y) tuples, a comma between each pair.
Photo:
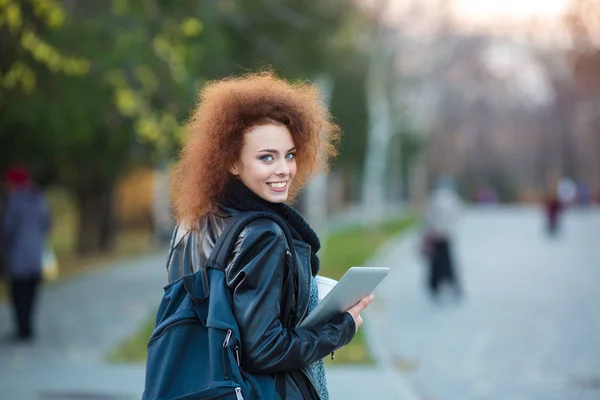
[(238, 196)]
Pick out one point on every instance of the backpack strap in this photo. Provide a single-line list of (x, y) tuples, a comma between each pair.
[(226, 242), (224, 247)]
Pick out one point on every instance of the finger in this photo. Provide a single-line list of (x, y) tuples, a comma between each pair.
[(358, 322), (364, 302), (361, 305)]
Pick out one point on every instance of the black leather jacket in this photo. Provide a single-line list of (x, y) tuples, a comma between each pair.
[(268, 302)]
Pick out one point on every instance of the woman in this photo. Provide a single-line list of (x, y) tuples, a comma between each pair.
[(253, 143), (25, 227)]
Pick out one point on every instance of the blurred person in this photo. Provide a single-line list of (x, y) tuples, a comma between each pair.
[(584, 194), (3, 193), (553, 208), (441, 216), (254, 142), (567, 191), (486, 195), (25, 227)]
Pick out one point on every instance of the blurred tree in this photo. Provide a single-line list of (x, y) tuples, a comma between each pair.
[(583, 21), (87, 88)]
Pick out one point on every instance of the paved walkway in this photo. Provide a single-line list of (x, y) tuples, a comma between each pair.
[(81, 319), (529, 327)]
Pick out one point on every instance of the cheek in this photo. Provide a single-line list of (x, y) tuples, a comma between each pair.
[(258, 171), (293, 168)]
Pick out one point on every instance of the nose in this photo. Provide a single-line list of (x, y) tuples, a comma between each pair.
[(283, 168)]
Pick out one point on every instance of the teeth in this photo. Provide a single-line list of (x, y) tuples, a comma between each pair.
[(278, 185)]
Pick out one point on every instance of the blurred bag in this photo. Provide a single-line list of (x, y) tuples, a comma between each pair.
[(49, 265)]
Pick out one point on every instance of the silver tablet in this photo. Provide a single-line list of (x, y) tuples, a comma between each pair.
[(356, 283)]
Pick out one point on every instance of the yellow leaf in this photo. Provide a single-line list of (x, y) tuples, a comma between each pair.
[(53, 61), (147, 129), (27, 39), (191, 27), (168, 122), (147, 78), (119, 7), (116, 78), (81, 67), (4, 3), (42, 52), (28, 81), (55, 17), (13, 17), (12, 76), (126, 101), (51, 10), (161, 46)]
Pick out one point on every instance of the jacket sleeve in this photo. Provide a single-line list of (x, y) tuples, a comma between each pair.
[(256, 275)]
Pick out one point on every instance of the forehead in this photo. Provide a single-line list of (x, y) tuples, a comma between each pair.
[(270, 136)]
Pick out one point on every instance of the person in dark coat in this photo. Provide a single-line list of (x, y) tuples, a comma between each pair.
[(25, 227), (253, 143)]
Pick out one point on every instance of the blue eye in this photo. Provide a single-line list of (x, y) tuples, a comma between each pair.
[(290, 156), (266, 157)]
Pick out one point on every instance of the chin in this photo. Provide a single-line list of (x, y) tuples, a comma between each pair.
[(279, 198)]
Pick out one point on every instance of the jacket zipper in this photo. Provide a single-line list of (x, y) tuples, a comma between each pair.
[(237, 359), (225, 358), (238, 393)]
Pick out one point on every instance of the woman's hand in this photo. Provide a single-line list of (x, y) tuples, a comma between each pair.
[(358, 307)]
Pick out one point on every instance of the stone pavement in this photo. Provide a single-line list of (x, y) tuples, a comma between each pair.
[(81, 319), (528, 328)]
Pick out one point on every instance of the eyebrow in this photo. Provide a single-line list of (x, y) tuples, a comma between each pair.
[(275, 151)]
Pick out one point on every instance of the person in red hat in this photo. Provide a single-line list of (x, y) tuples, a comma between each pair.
[(25, 227)]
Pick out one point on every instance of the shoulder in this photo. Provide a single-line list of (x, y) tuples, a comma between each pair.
[(260, 234), (261, 231), (259, 252), (264, 225)]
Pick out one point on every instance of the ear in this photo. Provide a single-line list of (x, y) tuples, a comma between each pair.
[(235, 170)]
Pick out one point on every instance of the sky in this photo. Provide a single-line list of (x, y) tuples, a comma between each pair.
[(486, 10), (544, 19), (518, 10)]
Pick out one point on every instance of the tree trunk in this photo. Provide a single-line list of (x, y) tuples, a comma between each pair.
[(379, 134), (317, 191), (96, 220)]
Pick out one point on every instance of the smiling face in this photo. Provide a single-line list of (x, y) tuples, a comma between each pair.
[(267, 163)]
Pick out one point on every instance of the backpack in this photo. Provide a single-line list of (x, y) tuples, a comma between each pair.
[(194, 351)]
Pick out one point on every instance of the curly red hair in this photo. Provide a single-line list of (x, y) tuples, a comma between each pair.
[(226, 110)]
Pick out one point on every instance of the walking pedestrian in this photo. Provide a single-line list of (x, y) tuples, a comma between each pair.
[(442, 214), (25, 226)]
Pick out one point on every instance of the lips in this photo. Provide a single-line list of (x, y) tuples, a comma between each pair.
[(278, 186)]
